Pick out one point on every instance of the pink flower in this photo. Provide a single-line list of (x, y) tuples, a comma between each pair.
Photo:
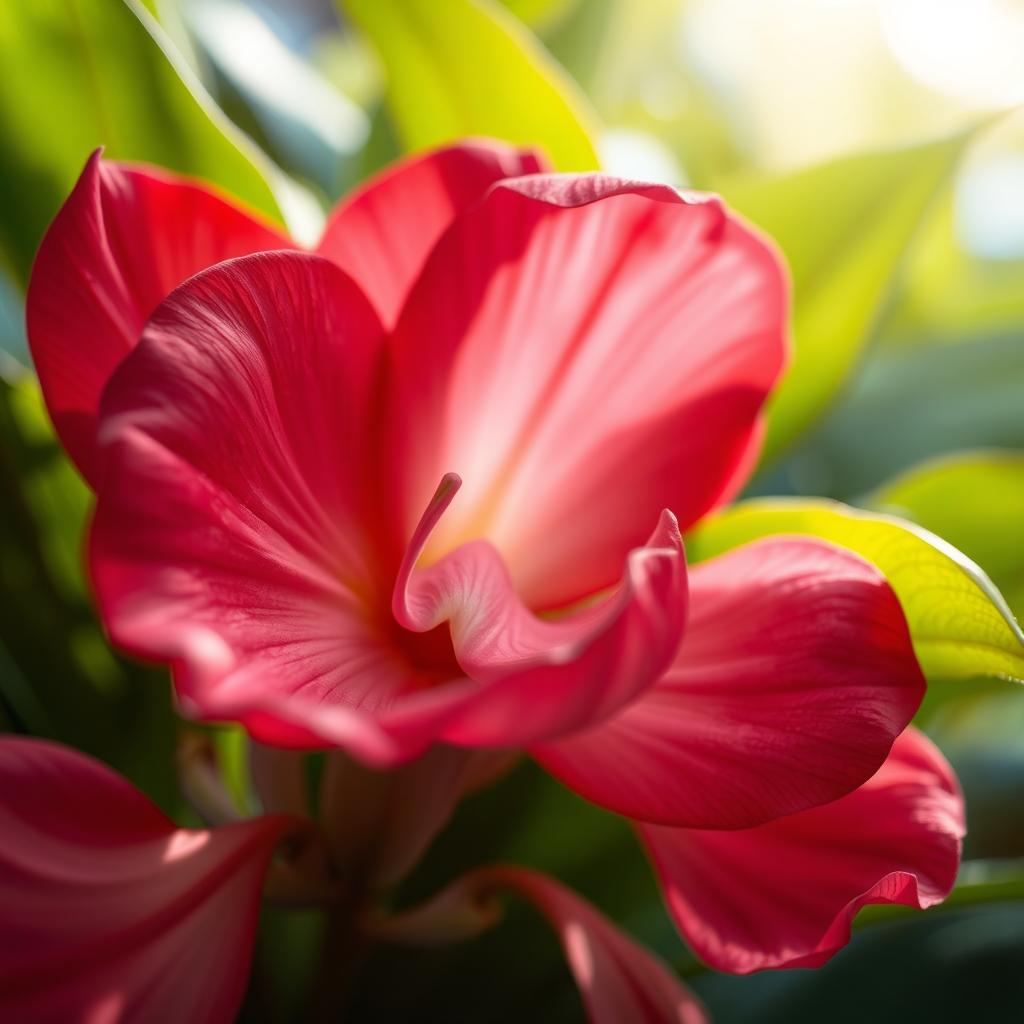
[(275, 459)]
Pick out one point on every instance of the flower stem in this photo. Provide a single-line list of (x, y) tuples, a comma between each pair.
[(343, 950)]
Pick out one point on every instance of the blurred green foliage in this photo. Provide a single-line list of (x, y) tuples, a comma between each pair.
[(911, 403), (464, 68), (864, 210), (58, 676), (78, 74)]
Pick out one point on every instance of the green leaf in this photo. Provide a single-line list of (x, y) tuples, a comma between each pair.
[(843, 227), (78, 74), (467, 67), (540, 14), (975, 501), (960, 623)]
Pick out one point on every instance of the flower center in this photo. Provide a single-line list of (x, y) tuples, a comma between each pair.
[(431, 654)]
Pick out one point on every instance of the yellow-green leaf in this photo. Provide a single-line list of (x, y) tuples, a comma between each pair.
[(468, 67), (540, 13), (844, 227), (78, 74), (975, 500), (960, 623)]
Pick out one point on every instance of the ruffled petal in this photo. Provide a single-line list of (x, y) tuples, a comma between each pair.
[(382, 234), (108, 912), (125, 237), (543, 677), (785, 894), (618, 979), (795, 675), (583, 351)]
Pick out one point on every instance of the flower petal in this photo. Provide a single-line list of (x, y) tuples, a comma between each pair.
[(109, 912), (233, 536), (543, 677), (795, 675), (125, 237), (382, 234), (785, 894), (618, 979), (583, 351), (228, 535)]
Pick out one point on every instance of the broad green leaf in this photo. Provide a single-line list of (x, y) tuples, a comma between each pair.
[(843, 227), (974, 500), (628, 59), (580, 43), (960, 623), (468, 67), (78, 74)]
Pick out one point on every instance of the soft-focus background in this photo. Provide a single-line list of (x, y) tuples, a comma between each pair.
[(877, 139)]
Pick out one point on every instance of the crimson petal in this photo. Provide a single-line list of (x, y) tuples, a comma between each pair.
[(125, 237), (785, 894), (795, 675), (228, 536), (108, 912)]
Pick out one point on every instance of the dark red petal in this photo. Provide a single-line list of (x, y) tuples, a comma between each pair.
[(125, 237)]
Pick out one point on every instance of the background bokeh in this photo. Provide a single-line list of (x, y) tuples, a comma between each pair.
[(878, 140)]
